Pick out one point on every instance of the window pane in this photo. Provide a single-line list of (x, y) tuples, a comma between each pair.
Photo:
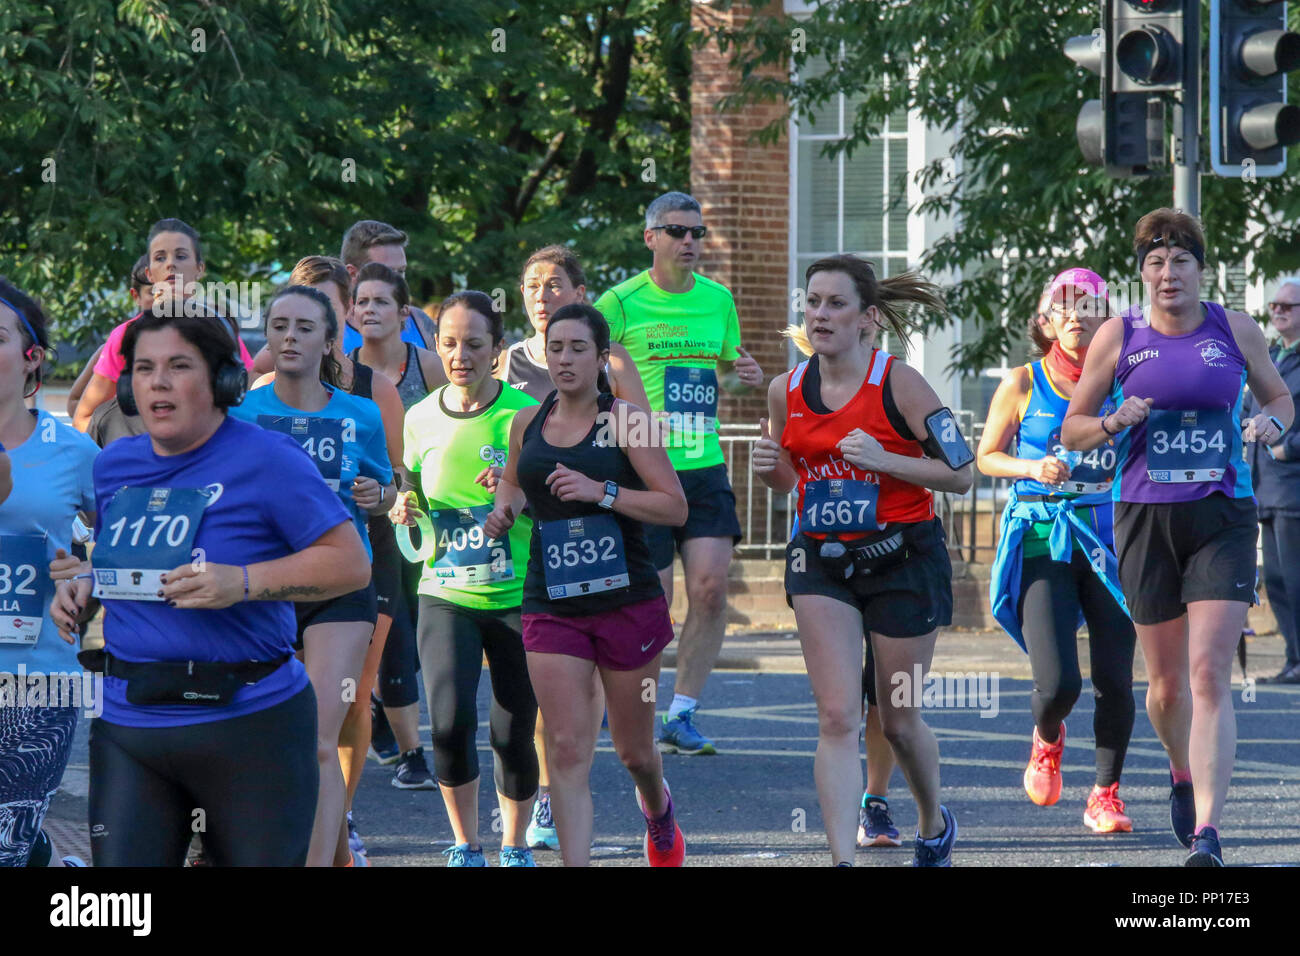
[(897, 208), (818, 196), (864, 187), (823, 119)]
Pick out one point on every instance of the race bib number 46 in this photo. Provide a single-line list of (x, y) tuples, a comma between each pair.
[(583, 556), (1188, 446), (320, 438), (145, 532), (24, 587)]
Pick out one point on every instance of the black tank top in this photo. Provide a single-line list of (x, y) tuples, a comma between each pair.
[(602, 462), (525, 374), (363, 380), (412, 387)]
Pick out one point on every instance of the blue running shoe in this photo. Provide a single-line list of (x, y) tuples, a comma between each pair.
[(354, 838), (462, 855), (1182, 811), (937, 852), (875, 827), (679, 736), (1205, 849), (541, 829), (516, 856)]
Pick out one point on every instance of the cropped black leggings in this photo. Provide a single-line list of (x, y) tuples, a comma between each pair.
[(453, 641), (1051, 596), (247, 784)]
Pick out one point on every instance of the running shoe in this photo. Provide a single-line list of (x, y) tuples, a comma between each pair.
[(1043, 775), (359, 859), (541, 829), (1205, 849), (73, 861), (679, 736), (354, 838), (413, 773), (462, 855), (517, 856), (383, 745), (1182, 811), (1105, 811), (937, 851), (664, 844), (875, 827)]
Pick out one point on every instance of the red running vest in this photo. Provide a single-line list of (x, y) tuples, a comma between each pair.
[(811, 438)]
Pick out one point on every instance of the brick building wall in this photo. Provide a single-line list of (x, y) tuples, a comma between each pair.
[(744, 189)]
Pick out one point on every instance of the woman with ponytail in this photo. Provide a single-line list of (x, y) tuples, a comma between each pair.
[(865, 441), (344, 436), (1056, 564)]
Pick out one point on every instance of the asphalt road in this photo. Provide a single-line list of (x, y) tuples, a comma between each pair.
[(755, 803)]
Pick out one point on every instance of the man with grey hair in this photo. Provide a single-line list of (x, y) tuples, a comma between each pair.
[(682, 330), (1276, 475)]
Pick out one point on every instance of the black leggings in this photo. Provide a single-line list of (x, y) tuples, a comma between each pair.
[(453, 640), (247, 784), (1051, 596), (398, 665)]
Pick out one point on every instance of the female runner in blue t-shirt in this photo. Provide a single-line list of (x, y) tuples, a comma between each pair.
[(209, 720)]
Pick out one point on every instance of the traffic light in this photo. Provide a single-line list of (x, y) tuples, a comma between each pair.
[(1251, 51), (1147, 45), (1124, 129)]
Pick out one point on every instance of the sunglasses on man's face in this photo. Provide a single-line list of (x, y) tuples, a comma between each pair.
[(679, 232), (1283, 307)]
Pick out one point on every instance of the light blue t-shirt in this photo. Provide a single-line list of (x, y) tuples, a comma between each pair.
[(53, 473), (346, 440)]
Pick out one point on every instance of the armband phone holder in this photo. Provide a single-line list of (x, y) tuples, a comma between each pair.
[(944, 440), (428, 541)]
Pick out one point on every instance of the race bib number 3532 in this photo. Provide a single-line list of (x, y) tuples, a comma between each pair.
[(583, 556)]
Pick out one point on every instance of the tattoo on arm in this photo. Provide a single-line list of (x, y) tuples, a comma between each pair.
[(289, 593)]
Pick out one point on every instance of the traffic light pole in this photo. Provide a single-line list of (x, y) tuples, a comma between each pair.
[(1187, 118)]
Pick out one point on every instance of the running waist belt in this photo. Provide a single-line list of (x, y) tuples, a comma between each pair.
[(202, 683), (877, 552)]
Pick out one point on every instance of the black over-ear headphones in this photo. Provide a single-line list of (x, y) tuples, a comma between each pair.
[(229, 384)]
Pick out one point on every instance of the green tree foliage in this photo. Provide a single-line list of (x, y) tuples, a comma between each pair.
[(482, 129), (993, 73)]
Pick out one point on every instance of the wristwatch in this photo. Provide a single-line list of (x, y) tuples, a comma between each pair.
[(611, 492), (1277, 423)]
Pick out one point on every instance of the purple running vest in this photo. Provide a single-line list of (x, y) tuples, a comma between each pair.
[(1190, 446)]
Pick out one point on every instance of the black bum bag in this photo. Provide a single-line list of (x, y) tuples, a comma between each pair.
[(197, 683), (880, 551)]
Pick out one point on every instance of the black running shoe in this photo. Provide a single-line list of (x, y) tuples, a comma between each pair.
[(383, 745), (1205, 849), (413, 773)]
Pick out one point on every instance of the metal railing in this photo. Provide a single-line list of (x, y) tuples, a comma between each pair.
[(766, 518)]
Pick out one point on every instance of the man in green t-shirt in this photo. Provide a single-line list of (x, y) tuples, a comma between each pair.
[(682, 332)]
